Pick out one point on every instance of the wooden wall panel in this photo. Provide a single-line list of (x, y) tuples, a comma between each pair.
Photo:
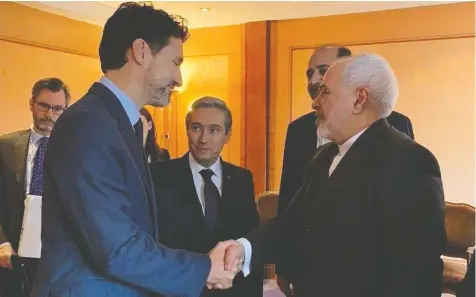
[(205, 76), (37, 28), (36, 44), (213, 65), (21, 66), (256, 102)]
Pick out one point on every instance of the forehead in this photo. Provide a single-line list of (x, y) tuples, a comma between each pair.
[(173, 50), (52, 98), (208, 116), (322, 56), (333, 75)]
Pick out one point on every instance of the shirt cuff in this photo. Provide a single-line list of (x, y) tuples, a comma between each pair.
[(4, 244), (247, 247)]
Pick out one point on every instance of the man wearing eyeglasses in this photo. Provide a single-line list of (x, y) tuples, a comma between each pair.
[(21, 167), (302, 139)]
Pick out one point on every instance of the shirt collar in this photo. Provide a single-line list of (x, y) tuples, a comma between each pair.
[(35, 136), (126, 102), (343, 148), (196, 167)]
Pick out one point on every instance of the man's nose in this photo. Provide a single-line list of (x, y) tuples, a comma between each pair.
[(316, 103)]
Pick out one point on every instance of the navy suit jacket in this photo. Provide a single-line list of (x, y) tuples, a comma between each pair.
[(99, 219), (300, 146)]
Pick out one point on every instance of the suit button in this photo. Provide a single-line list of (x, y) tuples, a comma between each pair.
[(307, 230)]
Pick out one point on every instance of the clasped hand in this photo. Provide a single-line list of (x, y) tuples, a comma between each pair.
[(227, 260)]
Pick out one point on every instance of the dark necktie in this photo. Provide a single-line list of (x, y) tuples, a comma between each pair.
[(36, 184), (212, 199)]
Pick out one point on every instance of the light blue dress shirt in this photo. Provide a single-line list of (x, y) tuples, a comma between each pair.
[(128, 105)]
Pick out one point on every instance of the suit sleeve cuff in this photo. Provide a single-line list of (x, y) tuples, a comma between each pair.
[(247, 247)]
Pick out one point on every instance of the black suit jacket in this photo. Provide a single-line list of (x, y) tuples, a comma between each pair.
[(300, 146), (374, 228), (182, 223), (99, 219)]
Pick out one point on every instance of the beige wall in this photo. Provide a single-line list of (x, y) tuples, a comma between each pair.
[(22, 65)]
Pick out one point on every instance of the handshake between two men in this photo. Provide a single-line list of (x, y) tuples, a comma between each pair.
[(227, 259)]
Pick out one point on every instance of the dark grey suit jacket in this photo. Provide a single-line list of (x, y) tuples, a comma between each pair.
[(374, 228), (13, 153)]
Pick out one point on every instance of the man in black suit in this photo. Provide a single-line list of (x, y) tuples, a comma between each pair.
[(368, 220), (202, 199), (21, 155), (100, 232), (301, 138)]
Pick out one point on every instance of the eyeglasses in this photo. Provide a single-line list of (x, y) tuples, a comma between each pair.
[(45, 107)]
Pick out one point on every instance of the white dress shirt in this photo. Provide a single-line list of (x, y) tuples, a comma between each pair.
[(30, 158), (343, 149), (198, 179)]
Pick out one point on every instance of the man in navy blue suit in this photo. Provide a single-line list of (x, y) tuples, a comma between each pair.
[(100, 236)]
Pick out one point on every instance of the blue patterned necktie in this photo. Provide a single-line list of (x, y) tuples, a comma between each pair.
[(36, 184)]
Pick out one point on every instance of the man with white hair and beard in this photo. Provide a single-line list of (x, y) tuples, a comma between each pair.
[(368, 220)]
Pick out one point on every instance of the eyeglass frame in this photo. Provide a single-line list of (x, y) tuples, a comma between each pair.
[(45, 107)]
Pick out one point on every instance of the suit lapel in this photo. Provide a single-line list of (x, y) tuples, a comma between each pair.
[(20, 150), (227, 182), (135, 148), (319, 185), (360, 152), (313, 134), (228, 197), (193, 213)]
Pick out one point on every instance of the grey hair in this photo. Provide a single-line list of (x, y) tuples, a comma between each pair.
[(211, 102), (374, 73)]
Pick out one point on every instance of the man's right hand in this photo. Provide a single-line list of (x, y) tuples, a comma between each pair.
[(5, 253), (285, 286), (219, 277)]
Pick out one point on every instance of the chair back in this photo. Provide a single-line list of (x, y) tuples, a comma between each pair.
[(459, 224), (267, 204)]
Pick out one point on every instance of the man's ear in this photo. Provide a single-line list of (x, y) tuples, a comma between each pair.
[(361, 99), (139, 52), (228, 137)]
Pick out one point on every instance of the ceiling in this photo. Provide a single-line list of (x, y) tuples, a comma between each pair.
[(226, 12)]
